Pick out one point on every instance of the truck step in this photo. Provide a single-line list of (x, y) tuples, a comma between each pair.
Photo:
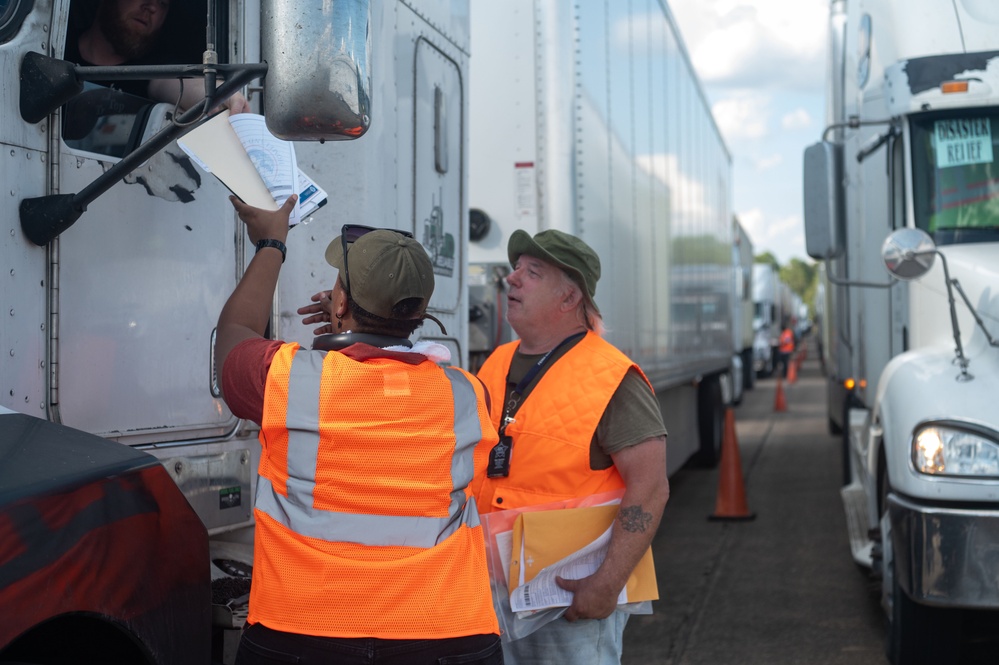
[(855, 505)]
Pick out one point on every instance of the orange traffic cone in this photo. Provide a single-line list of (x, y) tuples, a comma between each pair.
[(780, 403), (730, 503), (792, 370)]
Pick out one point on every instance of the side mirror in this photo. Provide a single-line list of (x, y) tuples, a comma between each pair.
[(822, 200), (318, 85), (908, 253)]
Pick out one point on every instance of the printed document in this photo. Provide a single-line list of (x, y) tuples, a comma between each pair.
[(259, 168), (571, 544)]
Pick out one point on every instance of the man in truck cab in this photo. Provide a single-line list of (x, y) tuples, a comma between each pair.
[(576, 417), (136, 32), (367, 545), (130, 32)]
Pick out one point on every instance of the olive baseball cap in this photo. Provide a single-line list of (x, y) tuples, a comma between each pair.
[(566, 251), (385, 268)]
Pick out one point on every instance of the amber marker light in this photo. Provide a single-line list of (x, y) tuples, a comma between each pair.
[(949, 87), (849, 384)]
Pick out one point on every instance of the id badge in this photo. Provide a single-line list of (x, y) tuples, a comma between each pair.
[(499, 458)]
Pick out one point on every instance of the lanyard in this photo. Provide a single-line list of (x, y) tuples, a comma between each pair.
[(518, 390)]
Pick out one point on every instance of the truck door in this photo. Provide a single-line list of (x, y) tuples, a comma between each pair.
[(438, 187), (143, 274), (23, 270)]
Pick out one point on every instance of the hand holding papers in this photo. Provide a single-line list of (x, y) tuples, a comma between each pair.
[(255, 165), (565, 541), (571, 544)]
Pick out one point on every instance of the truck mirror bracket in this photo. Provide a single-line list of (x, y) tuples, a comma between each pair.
[(44, 218)]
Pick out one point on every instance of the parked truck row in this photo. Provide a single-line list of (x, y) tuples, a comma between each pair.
[(900, 203), (775, 306), (456, 122)]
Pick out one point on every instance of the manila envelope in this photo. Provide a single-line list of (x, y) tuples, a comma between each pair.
[(548, 536)]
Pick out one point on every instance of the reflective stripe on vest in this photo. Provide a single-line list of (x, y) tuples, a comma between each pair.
[(296, 512), (365, 523)]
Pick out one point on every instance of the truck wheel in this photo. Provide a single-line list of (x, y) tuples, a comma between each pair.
[(920, 634), (710, 422), (917, 634), (748, 374)]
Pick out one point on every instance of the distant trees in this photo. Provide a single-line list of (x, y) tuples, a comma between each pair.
[(801, 277)]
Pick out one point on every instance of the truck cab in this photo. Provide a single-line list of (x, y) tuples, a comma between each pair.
[(900, 203), (119, 252)]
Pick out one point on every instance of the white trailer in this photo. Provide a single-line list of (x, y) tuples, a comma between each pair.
[(772, 306), (587, 117), (116, 265), (742, 309), (905, 179)]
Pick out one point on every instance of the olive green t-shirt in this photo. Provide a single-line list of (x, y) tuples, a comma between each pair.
[(632, 415)]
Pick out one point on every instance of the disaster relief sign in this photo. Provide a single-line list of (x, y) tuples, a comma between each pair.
[(961, 141)]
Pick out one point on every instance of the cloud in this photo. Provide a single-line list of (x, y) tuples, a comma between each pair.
[(770, 162), (783, 237), (742, 116), (773, 44), (796, 119)]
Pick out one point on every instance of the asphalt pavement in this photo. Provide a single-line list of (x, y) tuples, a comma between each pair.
[(781, 588)]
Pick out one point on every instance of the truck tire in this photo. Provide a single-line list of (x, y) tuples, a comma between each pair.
[(920, 634), (710, 422), (916, 634), (748, 374)]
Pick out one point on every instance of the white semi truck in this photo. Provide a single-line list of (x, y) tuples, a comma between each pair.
[(587, 117), (126, 485), (772, 305), (901, 203), (742, 308)]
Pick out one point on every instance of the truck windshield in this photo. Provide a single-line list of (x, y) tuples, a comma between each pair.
[(956, 177)]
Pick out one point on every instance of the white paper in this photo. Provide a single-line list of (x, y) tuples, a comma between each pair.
[(267, 178), (543, 592)]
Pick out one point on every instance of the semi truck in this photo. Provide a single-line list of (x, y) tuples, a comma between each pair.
[(126, 485), (742, 308), (773, 303), (900, 203), (588, 118)]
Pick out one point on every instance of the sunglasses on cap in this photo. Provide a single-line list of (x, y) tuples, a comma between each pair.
[(351, 233)]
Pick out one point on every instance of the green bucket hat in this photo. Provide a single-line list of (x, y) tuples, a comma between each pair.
[(560, 249), (386, 267)]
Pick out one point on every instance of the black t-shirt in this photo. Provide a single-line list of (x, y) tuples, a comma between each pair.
[(138, 88)]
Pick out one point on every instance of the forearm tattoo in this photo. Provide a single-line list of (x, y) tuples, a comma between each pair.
[(634, 519)]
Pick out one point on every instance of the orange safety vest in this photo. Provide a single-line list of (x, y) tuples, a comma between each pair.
[(786, 341), (553, 428), (366, 525)]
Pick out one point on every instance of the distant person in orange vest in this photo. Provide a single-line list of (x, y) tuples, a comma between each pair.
[(367, 545), (785, 347), (576, 418)]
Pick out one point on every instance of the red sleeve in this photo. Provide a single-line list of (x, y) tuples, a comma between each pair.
[(244, 377)]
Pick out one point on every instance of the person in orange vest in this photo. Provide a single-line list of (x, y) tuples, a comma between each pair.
[(785, 347), (576, 417), (367, 543)]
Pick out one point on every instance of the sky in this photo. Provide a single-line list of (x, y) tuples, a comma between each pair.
[(762, 67)]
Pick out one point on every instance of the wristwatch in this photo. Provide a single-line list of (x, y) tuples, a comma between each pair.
[(276, 244)]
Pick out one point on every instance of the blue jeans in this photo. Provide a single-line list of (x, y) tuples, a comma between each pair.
[(558, 642), (260, 645)]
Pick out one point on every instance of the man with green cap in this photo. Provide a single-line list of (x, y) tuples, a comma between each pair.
[(576, 418), (367, 541)]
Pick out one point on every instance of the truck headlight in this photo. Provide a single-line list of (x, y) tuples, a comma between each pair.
[(949, 451)]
